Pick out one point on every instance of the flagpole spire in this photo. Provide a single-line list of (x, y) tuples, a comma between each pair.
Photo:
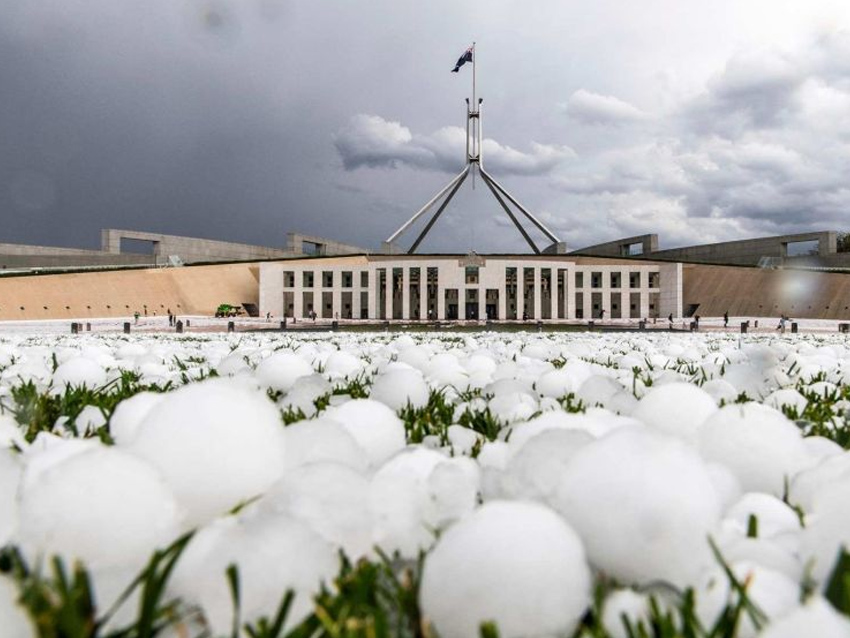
[(474, 164)]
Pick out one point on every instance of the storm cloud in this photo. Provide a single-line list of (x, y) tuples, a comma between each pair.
[(245, 120)]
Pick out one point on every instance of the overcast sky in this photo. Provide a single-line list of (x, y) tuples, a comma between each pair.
[(245, 119)]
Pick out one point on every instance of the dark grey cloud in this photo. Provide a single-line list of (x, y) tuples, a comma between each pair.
[(239, 119)]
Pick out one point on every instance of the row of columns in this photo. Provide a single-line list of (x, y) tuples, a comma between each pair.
[(454, 278)]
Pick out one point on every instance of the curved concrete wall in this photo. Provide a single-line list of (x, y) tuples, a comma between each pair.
[(187, 290)]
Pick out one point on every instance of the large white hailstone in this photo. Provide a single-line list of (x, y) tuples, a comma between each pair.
[(304, 392), (510, 408), (644, 504), (765, 552), (415, 494), (330, 498), (399, 387), (759, 444), (415, 356), (808, 483), (101, 506), (480, 364), (374, 426), (77, 372), (725, 484), (10, 477), (130, 413), (814, 618), (342, 365), (534, 471), (786, 397), (598, 390), (675, 408), (820, 447), (827, 529), (216, 444), (232, 365), (282, 369), (462, 440), (14, 619), (556, 384), (769, 590), (772, 514), (516, 564), (272, 552), (48, 450), (318, 440), (746, 378), (10, 432), (624, 604)]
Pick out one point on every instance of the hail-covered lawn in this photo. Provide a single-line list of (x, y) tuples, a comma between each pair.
[(667, 485)]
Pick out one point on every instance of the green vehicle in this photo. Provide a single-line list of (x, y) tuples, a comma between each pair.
[(228, 310)]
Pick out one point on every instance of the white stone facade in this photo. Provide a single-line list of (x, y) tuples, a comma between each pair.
[(471, 287)]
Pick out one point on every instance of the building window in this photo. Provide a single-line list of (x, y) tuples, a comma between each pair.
[(596, 280), (347, 279), (634, 280), (364, 279), (654, 280), (327, 279), (472, 274), (579, 280), (615, 279), (307, 279), (288, 279)]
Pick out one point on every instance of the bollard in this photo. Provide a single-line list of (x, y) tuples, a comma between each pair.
[(693, 326), (641, 325), (126, 327), (88, 327), (334, 325), (283, 324), (187, 323), (744, 326), (231, 326), (844, 327), (179, 326), (73, 328), (539, 326), (794, 327), (590, 325)]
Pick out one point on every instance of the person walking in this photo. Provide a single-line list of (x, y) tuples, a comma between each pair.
[(726, 319)]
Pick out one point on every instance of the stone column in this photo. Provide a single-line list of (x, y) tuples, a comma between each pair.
[(355, 294), (538, 294), (373, 293), (298, 296), (569, 294), (405, 293), (520, 292), (482, 300), (423, 292), (388, 297)]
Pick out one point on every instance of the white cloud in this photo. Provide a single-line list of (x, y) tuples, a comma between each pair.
[(592, 108), (371, 141)]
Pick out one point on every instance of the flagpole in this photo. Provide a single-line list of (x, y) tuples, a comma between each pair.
[(476, 150)]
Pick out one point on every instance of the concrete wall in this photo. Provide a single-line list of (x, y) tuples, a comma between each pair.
[(189, 249), (620, 247), (745, 252), (759, 292), (323, 246), (188, 290)]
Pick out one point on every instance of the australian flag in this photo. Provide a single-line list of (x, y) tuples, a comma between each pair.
[(466, 57)]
